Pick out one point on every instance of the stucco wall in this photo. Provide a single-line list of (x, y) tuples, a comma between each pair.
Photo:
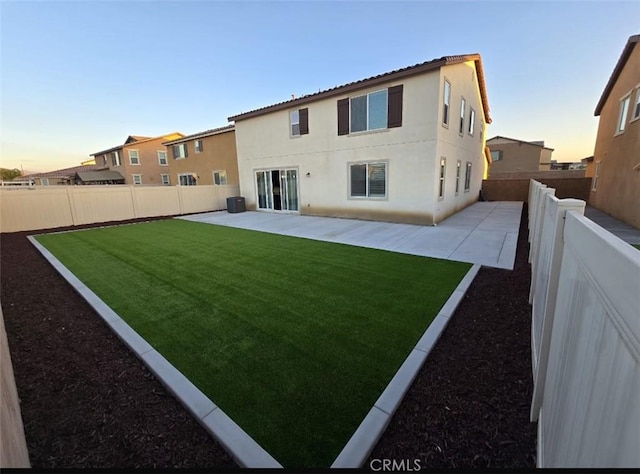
[(518, 156), (618, 189), (517, 189)]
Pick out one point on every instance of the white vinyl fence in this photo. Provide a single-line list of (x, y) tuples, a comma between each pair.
[(47, 207), (585, 338)]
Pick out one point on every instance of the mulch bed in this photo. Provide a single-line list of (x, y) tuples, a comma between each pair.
[(87, 401)]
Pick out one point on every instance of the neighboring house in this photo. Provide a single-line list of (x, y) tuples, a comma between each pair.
[(567, 165), (615, 166), (404, 146), (203, 158), (510, 154), (141, 160), (98, 177), (64, 176)]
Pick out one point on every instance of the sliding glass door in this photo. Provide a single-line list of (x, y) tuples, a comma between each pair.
[(278, 189)]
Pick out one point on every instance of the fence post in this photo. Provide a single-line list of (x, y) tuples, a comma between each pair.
[(72, 205), (534, 248), (558, 210)]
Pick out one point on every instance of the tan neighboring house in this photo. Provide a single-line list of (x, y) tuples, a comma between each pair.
[(510, 154), (615, 165), (141, 160), (204, 158), (65, 176)]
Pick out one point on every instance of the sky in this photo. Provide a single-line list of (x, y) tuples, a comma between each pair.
[(78, 77)]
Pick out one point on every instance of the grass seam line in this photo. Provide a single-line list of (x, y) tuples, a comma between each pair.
[(364, 439), (244, 449)]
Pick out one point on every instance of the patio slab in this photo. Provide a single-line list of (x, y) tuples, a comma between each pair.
[(483, 233), (620, 229)]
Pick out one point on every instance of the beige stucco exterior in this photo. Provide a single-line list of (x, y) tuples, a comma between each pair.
[(149, 167), (218, 154), (412, 152), (617, 155), (519, 156)]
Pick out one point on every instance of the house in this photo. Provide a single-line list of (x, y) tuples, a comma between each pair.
[(510, 154), (98, 177), (567, 165), (141, 160), (203, 158), (615, 166), (63, 176), (404, 146)]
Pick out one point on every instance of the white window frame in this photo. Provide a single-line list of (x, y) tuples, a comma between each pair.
[(116, 159), (183, 152), (167, 181), (44, 181), (368, 95), (500, 155), (137, 179), (292, 122), (463, 106), (442, 175), (166, 158), (367, 191), (193, 175), (596, 175), (221, 174), (458, 169), (446, 103), (472, 121), (467, 177), (636, 106), (198, 145), (131, 157), (623, 113)]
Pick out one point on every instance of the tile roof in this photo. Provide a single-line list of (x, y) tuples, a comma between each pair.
[(104, 175), (206, 133), (374, 80), (136, 142), (63, 173), (626, 53)]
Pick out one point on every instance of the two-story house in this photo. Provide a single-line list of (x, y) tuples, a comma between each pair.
[(203, 158), (141, 160), (404, 146), (615, 166), (511, 154)]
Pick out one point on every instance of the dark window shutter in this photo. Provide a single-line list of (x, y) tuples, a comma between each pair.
[(343, 116), (186, 150), (304, 121), (174, 151), (394, 111)]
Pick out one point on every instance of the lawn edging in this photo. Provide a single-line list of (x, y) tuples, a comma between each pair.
[(364, 439), (244, 449)]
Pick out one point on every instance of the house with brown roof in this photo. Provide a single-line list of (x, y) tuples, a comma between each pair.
[(404, 146), (615, 165), (141, 160), (65, 176), (511, 154), (204, 158)]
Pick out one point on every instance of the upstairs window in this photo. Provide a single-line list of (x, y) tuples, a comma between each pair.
[(179, 151), (622, 116), (368, 180), (372, 111), (162, 158), (496, 155), (199, 146), (299, 122), (446, 101), (104, 160), (115, 158), (134, 159), (636, 108), (472, 121), (463, 106)]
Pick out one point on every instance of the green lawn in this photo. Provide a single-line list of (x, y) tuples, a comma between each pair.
[(294, 339)]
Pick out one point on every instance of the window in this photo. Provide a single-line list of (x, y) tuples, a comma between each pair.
[(636, 107), (596, 174), (463, 106), (180, 151), (373, 111), (496, 155), (294, 117), (104, 160), (481, 130), (443, 162), (472, 120), (368, 180), (458, 166), (137, 178), (134, 159), (162, 158), (622, 117), (166, 180), (115, 158), (446, 99), (187, 179), (299, 122), (44, 181), (199, 146), (220, 177), (467, 178)]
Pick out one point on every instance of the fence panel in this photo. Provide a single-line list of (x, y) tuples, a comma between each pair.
[(28, 209), (152, 201), (91, 204), (590, 411)]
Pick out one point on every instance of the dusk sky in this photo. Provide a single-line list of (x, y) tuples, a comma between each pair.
[(80, 76)]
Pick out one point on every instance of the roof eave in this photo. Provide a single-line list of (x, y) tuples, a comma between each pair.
[(195, 136), (622, 61)]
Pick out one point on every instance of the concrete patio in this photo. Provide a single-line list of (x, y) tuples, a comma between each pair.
[(620, 229), (485, 232)]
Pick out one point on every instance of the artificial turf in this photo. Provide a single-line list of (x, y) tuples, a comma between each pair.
[(294, 339)]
